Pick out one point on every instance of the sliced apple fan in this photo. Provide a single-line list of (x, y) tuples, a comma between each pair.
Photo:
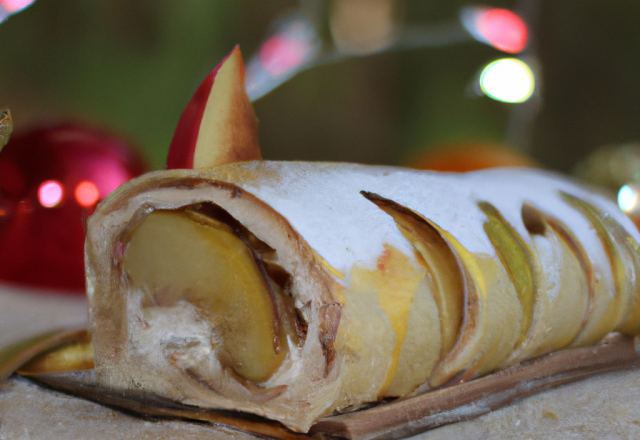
[(297, 290)]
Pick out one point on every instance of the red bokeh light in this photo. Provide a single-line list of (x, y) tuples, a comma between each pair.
[(87, 194), (503, 29), (280, 54)]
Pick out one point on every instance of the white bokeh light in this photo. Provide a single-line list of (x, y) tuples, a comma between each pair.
[(50, 193), (507, 80), (628, 198)]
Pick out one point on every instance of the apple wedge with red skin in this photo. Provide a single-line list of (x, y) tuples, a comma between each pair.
[(218, 126)]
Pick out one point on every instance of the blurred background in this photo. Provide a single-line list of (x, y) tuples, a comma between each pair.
[(131, 66), (419, 83)]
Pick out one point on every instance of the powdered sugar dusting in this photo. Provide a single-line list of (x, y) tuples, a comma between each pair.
[(322, 201)]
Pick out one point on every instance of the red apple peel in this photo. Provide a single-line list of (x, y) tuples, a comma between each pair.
[(218, 126)]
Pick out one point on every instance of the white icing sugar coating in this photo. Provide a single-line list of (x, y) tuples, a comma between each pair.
[(322, 201)]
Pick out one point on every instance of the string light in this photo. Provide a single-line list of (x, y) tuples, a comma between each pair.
[(507, 80), (8, 7), (279, 55), (291, 49), (499, 28), (361, 27), (295, 44), (13, 6), (628, 198), (50, 193)]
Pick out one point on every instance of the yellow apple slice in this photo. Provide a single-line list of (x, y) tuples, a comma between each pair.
[(14, 356), (610, 310), (390, 335), (420, 350), (73, 355), (562, 281), (218, 126), (483, 342), (436, 255), (186, 256)]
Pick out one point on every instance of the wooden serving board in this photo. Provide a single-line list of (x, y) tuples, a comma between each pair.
[(599, 404), (398, 419)]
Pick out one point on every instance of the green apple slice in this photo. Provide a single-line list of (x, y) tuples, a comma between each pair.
[(516, 258)]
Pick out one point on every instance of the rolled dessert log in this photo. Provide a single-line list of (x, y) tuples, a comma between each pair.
[(295, 290)]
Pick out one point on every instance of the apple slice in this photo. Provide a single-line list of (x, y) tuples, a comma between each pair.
[(611, 310), (516, 258), (219, 125), (189, 257), (561, 276), (75, 354), (437, 257), (483, 343)]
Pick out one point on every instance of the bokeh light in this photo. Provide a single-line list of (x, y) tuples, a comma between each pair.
[(504, 30), (87, 194), (290, 49), (628, 198), (508, 80), (280, 54), (361, 27), (500, 28), (50, 193), (13, 6)]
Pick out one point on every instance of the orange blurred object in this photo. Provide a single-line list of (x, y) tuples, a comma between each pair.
[(469, 157)]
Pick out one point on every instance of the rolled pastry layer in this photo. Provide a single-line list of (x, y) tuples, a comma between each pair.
[(295, 290)]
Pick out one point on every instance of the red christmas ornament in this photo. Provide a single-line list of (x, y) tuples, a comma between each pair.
[(50, 178)]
